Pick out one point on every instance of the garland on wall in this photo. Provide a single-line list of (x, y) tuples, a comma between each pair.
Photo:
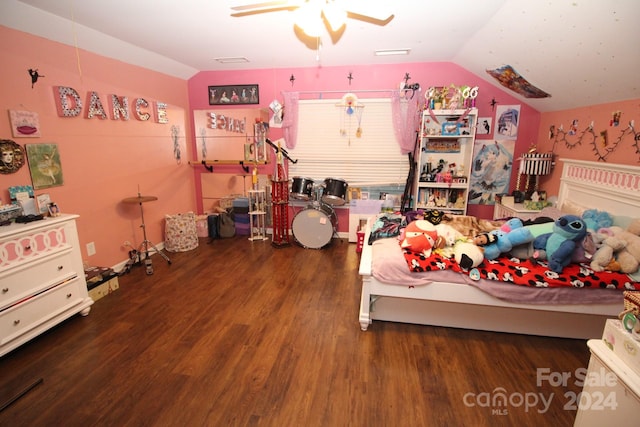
[(600, 146)]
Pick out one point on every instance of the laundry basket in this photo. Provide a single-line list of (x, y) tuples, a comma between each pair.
[(180, 233)]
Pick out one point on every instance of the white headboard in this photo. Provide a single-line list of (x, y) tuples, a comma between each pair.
[(607, 187)]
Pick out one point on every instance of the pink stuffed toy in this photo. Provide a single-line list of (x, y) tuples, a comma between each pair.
[(420, 236)]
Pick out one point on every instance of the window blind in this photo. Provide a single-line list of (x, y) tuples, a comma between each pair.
[(328, 147)]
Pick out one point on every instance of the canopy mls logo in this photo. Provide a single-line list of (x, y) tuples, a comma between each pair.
[(598, 395), (69, 104)]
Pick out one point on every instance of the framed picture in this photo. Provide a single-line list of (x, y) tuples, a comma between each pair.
[(234, 94), (450, 129), (484, 126), (43, 201), (53, 209), (24, 124), (44, 165), (354, 193)]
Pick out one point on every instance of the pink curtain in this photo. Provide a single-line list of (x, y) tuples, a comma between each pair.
[(290, 118), (406, 119)]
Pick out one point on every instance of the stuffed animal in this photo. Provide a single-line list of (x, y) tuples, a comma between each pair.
[(467, 254), (560, 244), (628, 257), (596, 219), (604, 258), (511, 234), (420, 236), (587, 247)]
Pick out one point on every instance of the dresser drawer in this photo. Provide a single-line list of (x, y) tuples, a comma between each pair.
[(24, 281), (23, 317), (29, 245)]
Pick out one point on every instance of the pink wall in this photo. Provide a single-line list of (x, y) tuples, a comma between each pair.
[(380, 77), (103, 161), (622, 148)]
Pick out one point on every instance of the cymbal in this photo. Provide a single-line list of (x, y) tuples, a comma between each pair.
[(139, 199)]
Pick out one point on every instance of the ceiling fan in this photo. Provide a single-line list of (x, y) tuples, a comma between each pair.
[(311, 14)]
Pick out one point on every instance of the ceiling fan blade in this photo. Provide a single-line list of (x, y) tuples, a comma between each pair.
[(266, 10), (263, 5), (376, 11), (370, 19)]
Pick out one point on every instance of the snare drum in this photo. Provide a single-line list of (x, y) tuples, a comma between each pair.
[(313, 227), (335, 191), (301, 188)]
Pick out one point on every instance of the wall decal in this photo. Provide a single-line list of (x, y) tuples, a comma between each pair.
[(34, 76)]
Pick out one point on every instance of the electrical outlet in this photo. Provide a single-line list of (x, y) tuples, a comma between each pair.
[(91, 248)]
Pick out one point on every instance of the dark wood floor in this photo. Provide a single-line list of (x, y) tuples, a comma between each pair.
[(240, 333)]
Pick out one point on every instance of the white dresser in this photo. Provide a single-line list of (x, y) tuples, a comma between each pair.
[(611, 392), (42, 278)]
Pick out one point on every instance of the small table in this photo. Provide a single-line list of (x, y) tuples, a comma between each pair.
[(517, 210)]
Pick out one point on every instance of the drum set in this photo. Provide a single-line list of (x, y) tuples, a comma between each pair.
[(314, 226)]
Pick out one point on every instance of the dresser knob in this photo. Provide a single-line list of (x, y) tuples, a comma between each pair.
[(60, 267), (5, 290), (16, 322), (27, 248), (69, 295)]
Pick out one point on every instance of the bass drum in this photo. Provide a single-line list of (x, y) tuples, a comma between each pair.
[(301, 188), (335, 191), (313, 227)]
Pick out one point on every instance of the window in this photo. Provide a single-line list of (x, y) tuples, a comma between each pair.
[(328, 147)]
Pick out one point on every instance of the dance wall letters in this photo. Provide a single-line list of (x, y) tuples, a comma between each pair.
[(69, 104)]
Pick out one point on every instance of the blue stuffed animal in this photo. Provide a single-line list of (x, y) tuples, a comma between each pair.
[(596, 219), (511, 234), (559, 245)]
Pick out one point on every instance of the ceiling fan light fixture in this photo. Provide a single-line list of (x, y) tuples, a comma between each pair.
[(335, 15), (389, 52), (309, 18)]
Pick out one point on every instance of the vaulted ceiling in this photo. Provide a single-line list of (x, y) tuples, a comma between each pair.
[(582, 52)]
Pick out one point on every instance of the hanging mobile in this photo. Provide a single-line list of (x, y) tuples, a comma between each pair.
[(175, 133), (359, 110)]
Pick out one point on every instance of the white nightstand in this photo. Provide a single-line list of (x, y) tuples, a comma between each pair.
[(518, 210)]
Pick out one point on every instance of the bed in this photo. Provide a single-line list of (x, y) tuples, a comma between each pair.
[(454, 300)]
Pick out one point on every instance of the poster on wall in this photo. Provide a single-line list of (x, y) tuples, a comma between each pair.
[(491, 171), (507, 121), (485, 126), (234, 94), (44, 165), (24, 124)]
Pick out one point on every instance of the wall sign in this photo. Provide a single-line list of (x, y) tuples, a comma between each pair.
[(69, 104)]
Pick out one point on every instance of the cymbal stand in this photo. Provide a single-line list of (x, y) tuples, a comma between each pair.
[(146, 243)]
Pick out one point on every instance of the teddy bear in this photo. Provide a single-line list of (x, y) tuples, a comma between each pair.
[(560, 244), (629, 256), (603, 259)]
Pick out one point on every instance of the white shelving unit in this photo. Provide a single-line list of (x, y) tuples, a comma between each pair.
[(444, 160), (258, 215)]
